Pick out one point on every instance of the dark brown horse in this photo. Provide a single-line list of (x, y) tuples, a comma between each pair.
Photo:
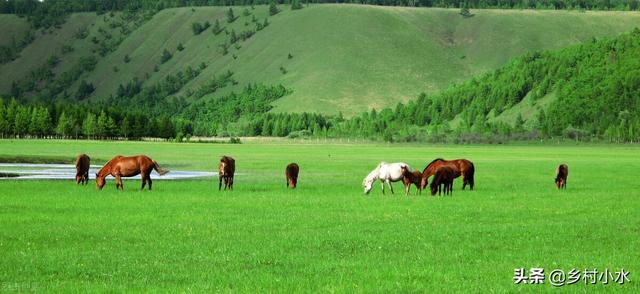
[(226, 170), (461, 167), (411, 177), (82, 169), (562, 172), (291, 172), (121, 166), (443, 176)]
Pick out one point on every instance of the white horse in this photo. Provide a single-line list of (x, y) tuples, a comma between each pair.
[(386, 173)]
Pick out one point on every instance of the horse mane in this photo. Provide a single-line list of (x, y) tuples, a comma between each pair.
[(108, 164), (433, 161), (374, 173)]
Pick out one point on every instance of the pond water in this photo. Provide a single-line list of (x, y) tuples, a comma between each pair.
[(34, 171)]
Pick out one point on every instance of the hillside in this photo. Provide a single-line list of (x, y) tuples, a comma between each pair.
[(347, 58), (589, 91)]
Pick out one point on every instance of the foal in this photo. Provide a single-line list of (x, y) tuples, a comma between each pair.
[(226, 171), (291, 173), (409, 177), (444, 175), (562, 172), (82, 169)]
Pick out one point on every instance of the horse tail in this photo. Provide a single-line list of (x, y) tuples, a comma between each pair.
[(472, 171), (160, 170)]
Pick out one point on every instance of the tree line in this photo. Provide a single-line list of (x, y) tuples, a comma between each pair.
[(31, 120), (53, 12)]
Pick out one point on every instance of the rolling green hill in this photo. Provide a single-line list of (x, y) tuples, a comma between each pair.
[(346, 58)]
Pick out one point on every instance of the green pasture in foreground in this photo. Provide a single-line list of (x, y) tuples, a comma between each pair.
[(325, 235)]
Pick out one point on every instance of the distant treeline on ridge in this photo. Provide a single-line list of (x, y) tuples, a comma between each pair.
[(51, 12)]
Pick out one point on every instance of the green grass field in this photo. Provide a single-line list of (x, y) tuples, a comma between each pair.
[(345, 57), (324, 236)]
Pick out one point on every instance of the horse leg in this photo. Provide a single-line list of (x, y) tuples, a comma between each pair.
[(382, 185), (390, 186), (143, 177), (119, 182), (231, 183), (149, 179), (464, 181), (219, 182)]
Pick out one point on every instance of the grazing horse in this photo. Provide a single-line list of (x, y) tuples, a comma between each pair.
[(121, 166), (386, 173), (291, 173), (82, 169), (443, 176), (226, 170), (461, 167), (562, 172), (411, 177)]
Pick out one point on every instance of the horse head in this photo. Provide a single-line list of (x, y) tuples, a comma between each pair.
[(367, 183), (99, 181), (424, 182)]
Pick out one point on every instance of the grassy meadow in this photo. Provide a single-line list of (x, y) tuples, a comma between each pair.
[(326, 235)]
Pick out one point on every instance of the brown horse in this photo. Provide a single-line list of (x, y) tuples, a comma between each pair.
[(82, 169), (226, 169), (409, 177), (461, 167), (562, 172), (443, 176), (291, 172), (121, 166)]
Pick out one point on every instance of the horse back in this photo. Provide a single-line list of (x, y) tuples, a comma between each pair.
[(445, 173), (82, 162), (227, 166), (292, 170), (562, 171)]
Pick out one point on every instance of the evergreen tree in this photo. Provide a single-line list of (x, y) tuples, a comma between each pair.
[(233, 38), (519, 124), (22, 121), (230, 16), (89, 125), (84, 90), (217, 28), (111, 129), (101, 125), (125, 127), (11, 111), (4, 124), (40, 124), (65, 125), (166, 55), (295, 5), (273, 9)]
